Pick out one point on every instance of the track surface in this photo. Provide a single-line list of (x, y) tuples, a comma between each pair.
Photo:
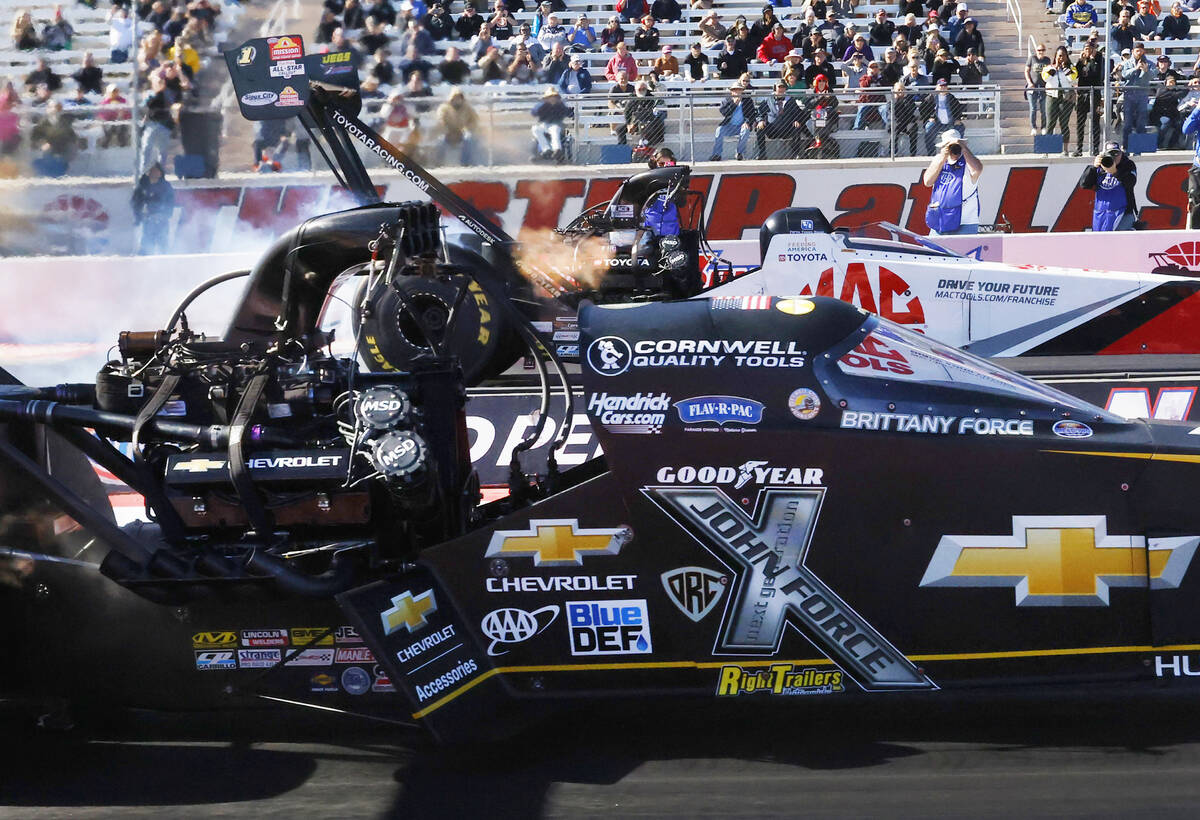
[(1012, 759)]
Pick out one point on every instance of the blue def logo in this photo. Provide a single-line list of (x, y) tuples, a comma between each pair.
[(609, 628)]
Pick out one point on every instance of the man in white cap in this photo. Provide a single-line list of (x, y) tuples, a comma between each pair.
[(953, 174), (547, 129)]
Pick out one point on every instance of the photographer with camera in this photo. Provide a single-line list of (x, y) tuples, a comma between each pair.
[(1112, 176), (953, 174), (1191, 129)]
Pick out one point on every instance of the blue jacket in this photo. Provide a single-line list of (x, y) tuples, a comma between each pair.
[(661, 216), (1191, 127), (585, 80)]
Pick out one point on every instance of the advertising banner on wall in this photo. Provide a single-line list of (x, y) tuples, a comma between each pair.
[(239, 212)]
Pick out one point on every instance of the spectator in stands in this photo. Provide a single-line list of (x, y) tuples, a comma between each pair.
[(576, 79), (491, 66), (482, 42), (1166, 116), (621, 61), (503, 25), (914, 74), (872, 107), (205, 14), (581, 36), (859, 46), (525, 37), (24, 36), (120, 34), (41, 96), (853, 70), (175, 26), (158, 124), (612, 34), (901, 45), (468, 23), (842, 8), (1035, 88), (541, 17), (153, 205), (453, 69), (644, 120), (953, 174), (645, 38), (159, 15), (374, 37), (696, 64), (954, 25), (666, 11), (1112, 176), (552, 32), (712, 31), (384, 72), (618, 97), (807, 25), (666, 65), (458, 122), (10, 122), (943, 67), (973, 70), (1164, 70), (382, 11), (932, 44), (1082, 14), (415, 89), (844, 42), (821, 67), (631, 10), (397, 123), (742, 41), (439, 23), (57, 34), (55, 141), (794, 61), (523, 69), (1145, 22), (42, 74), (89, 77), (780, 118), (815, 42), (1176, 25), (738, 119), (762, 27), (417, 36), (177, 84), (368, 89), (1059, 77), (413, 62), (326, 26), (910, 29), (890, 70), (114, 114), (700, 4), (882, 30), (775, 46), (549, 114), (184, 52), (907, 7), (731, 63), (554, 65), (969, 38), (1123, 33), (822, 111), (905, 117), (76, 101), (943, 111), (1089, 75), (1135, 75)]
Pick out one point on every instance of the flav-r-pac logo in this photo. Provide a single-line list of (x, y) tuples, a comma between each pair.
[(1060, 560), (773, 587), (556, 542)]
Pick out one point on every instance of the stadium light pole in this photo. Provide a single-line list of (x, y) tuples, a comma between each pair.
[(1107, 96), (133, 99)]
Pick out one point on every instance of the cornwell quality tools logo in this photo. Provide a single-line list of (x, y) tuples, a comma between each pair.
[(556, 542), (773, 586), (408, 612), (1060, 560)]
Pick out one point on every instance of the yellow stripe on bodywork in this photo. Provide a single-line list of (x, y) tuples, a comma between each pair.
[(1180, 457)]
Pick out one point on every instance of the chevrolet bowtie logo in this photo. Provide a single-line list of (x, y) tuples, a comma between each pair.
[(198, 465), (1060, 560), (408, 612), (557, 542)]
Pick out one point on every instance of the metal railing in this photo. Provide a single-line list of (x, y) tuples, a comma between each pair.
[(1013, 8)]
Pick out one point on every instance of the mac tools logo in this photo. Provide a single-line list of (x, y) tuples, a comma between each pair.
[(772, 587)]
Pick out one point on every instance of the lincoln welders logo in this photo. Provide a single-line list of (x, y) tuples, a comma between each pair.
[(767, 552)]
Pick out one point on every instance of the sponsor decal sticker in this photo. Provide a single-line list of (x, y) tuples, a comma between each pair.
[(258, 658), (1170, 404), (556, 542), (758, 472), (694, 590), (353, 654), (609, 627), (804, 404), (561, 583), (719, 409), (567, 351), (940, 425), (356, 681), (215, 660), (512, 625), (322, 682), (312, 657), (246, 56), (773, 587), (1176, 666), (1060, 560), (381, 682), (288, 96), (259, 98), (346, 634), (779, 679), (408, 612), (609, 355), (214, 640), (312, 637), (639, 414), (264, 637), (739, 303), (425, 644), (1071, 429), (287, 69), (284, 48), (459, 673), (795, 307)]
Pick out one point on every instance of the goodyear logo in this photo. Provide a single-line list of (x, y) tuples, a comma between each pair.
[(214, 640), (779, 679), (312, 637), (557, 542), (1060, 560)]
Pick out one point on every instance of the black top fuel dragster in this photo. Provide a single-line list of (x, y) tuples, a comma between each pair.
[(795, 498)]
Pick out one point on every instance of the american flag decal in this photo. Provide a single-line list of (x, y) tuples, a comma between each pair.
[(740, 303)]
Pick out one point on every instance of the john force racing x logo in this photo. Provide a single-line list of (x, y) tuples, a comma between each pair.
[(767, 552), (609, 355)]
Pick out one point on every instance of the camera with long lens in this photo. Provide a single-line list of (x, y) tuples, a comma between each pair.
[(955, 149), (1108, 159)]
